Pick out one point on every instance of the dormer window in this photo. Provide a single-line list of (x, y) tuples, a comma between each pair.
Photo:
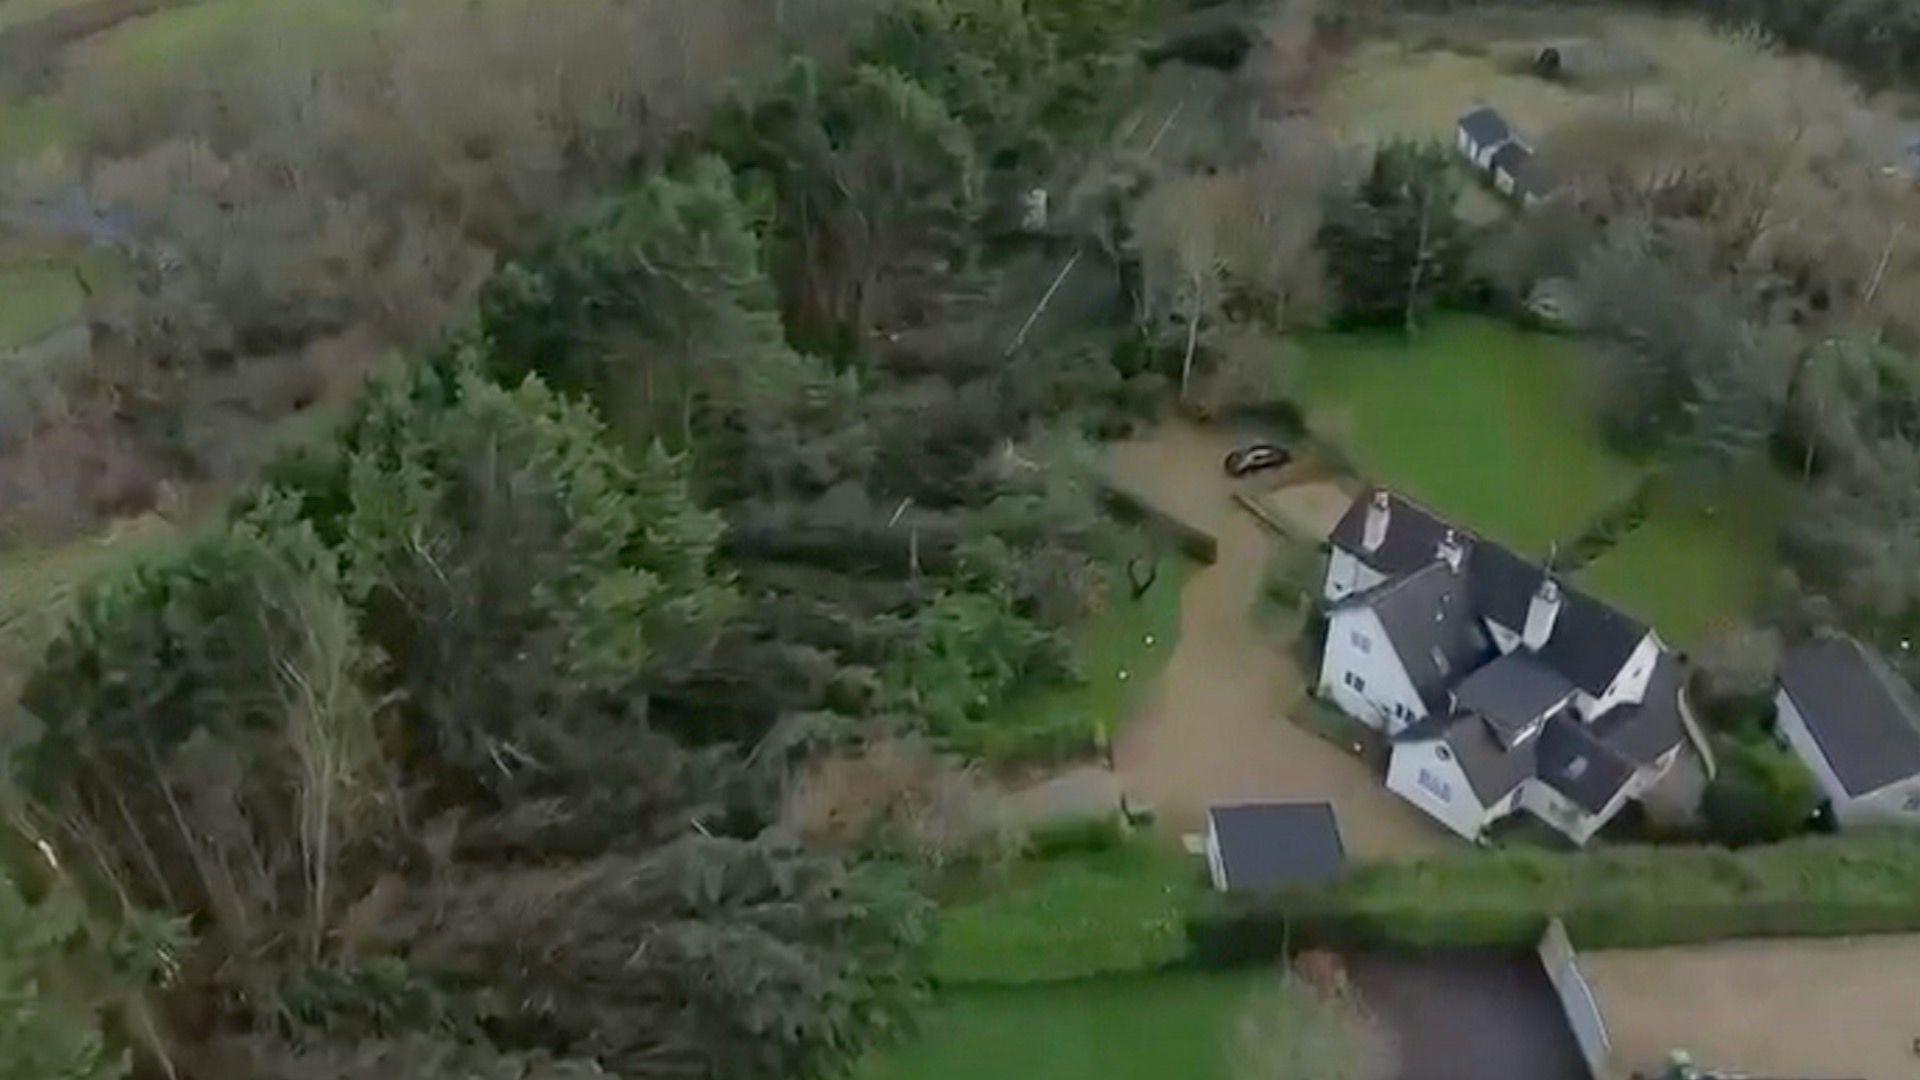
[(1440, 661)]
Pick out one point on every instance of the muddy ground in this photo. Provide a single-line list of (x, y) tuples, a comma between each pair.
[(1214, 729)]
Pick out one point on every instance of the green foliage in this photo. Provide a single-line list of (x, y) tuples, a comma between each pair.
[(657, 296), (1096, 912), (711, 957), (1609, 897), (1076, 836), (1762, 793), (519, 567), (43, 1034), (1392, 241), (1118, 651), (964, 652)]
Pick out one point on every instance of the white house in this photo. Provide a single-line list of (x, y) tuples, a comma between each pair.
[(1479, 134), (1856, 723), (1500, 688)]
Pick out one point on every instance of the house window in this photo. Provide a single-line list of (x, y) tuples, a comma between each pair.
[(1439, 788), (1360, 642), (1355, 681)]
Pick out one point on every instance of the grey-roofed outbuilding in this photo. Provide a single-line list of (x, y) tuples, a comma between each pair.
[(1268, 846), (1863, 716)]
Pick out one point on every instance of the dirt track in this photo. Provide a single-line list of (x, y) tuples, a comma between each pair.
[(1214, 728), (1802, 1008)]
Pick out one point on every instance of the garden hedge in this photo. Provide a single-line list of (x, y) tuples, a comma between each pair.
[(1616, 897)]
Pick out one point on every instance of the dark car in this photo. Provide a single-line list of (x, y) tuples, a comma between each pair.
[(1256, 457)]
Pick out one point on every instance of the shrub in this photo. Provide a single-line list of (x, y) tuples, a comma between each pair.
[(1076, 836), (1617, 897), (1762, 794)]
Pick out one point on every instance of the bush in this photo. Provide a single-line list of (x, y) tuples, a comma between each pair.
[(1077, 836), (1620, 897), (1762, 794)]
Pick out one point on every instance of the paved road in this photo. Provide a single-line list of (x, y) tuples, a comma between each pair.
[(1214, 728)]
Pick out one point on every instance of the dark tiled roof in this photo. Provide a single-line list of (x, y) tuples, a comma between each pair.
[(1271, 845), (1512, 693), (1503, 584), (1413, 534), (1590, 640), (1574, 762), (1429, 619), (1646, 731), (1863, 715), (1492, 770), (1511, 158), (1485, 127)]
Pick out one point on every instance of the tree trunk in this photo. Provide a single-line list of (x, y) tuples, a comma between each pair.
[(1419, 262), (1193, 339)]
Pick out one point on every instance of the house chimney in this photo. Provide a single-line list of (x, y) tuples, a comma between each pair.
[(1452, 551), (1379, 513), (1542, 610)]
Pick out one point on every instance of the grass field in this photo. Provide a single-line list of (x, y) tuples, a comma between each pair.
[(1069, 917), (1700, 561), (1479, 419), (36, 299), (1128, 636), (1149, 1027)]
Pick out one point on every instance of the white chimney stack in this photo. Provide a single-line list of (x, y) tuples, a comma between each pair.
[(1452, 551), (1379, 513), (1542, 610)]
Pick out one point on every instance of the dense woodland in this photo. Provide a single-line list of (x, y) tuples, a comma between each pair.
[(687, 442)]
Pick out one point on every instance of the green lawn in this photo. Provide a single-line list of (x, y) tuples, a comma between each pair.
[(1121, 651), (1092, 913), (1483, 421), (1149, 1027), (36, 299), (1699, 562)]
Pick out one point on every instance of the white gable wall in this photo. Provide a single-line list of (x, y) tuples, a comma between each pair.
[(1347, 575), (1895, 804), (1503, 639), (1362, 674), (1426, 775), (1629, 686), (1216, 863)]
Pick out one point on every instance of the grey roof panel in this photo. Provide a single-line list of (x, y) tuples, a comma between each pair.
[(1862, 714), (1485, 126), (1645, 732), (1413, 534), (1511, 157), (1429, 619), (1575, 763), (1512, 692), (1590, 640), (1266, 846)]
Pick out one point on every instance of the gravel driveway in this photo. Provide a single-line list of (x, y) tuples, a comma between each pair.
[(1214, 728)]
